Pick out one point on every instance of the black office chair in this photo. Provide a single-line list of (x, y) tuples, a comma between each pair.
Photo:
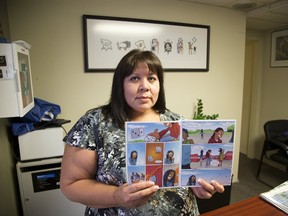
[(276, 143)]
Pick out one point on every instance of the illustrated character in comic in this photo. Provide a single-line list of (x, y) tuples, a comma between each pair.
[(202, 133), (172, 127), (208, 158), (216, 136), (221, 157), (169, 178), (169, 157), (201, 157), (185, 136), (133, 157), (191, 180), (135, 177)]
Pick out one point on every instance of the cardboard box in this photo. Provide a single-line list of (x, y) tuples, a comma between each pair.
[(41, 144)]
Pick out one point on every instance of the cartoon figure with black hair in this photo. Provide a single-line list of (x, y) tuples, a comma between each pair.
[(216, 136), (208, 158), (191, 180), (201, 156), (185, 136), (133, 157), (169, 178), (169, 157), (221, 157)]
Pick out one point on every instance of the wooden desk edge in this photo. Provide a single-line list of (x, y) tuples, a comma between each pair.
[(253, 206)]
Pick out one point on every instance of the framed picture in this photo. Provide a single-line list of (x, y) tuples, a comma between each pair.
[(279, 48), (179, 46)]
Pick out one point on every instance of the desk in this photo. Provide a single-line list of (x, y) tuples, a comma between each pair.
[(253, 206)]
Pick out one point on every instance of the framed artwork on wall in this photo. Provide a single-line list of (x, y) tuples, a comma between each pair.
[(279, 48), (179, 46)]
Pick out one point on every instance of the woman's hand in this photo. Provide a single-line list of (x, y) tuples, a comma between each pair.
[(208, 189), (136, 194)]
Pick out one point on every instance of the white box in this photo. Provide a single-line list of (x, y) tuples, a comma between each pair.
[(40, 144)]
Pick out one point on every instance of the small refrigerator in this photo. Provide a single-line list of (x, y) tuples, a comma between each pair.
[(39, 185)]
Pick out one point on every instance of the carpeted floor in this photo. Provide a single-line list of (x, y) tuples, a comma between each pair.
[(248, 185)]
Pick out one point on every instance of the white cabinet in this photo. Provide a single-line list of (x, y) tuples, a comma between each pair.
[(16, 90)]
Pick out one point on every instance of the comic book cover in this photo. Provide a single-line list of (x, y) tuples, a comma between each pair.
[(177, 153)]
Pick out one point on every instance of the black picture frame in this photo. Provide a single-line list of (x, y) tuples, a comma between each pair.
[(179, 46), (279, 48)]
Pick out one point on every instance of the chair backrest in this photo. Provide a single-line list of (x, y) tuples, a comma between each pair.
[(274, 129)]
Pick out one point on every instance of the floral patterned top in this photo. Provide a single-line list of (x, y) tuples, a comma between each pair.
[(92, 132)]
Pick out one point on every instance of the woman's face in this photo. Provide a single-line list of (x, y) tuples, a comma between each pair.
[(219, 133), (170, 175), (134, 155), (141, 88), (170, 154)]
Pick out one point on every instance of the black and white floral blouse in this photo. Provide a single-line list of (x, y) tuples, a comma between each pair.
[(93, 133)]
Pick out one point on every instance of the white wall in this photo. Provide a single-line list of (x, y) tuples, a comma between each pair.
[(54, 29)]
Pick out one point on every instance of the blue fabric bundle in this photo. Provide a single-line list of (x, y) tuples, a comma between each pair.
[(43, 111)]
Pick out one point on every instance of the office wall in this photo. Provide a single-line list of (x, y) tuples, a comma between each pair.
[(54, 29), (267, 97), (8, 180), (275, 88), (274, 103)]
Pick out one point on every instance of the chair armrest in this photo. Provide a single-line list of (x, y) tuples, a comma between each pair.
[(283, 146)]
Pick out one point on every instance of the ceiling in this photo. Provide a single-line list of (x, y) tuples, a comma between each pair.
[(261, 14)]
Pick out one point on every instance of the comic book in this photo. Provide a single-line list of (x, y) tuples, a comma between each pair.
[(177, 153)]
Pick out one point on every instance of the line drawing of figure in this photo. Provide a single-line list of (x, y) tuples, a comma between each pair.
[(155, 45), (180, 46), (190, 47)]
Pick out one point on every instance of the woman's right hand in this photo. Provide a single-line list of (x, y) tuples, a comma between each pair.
[(136, 194), (79, 185)]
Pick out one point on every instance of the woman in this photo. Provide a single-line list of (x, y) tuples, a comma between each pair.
[(133, 157), (185, 136), (93, 165), (191, 180), (216, 136), (208, 158), (169, 178), (169, 157)]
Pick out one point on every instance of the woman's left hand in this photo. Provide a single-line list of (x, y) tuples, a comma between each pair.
[(208, 189)]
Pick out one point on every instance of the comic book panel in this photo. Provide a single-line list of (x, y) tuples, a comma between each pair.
[(136, 174), (170, 175), (154, 173), (136, 154), (154, 153)]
